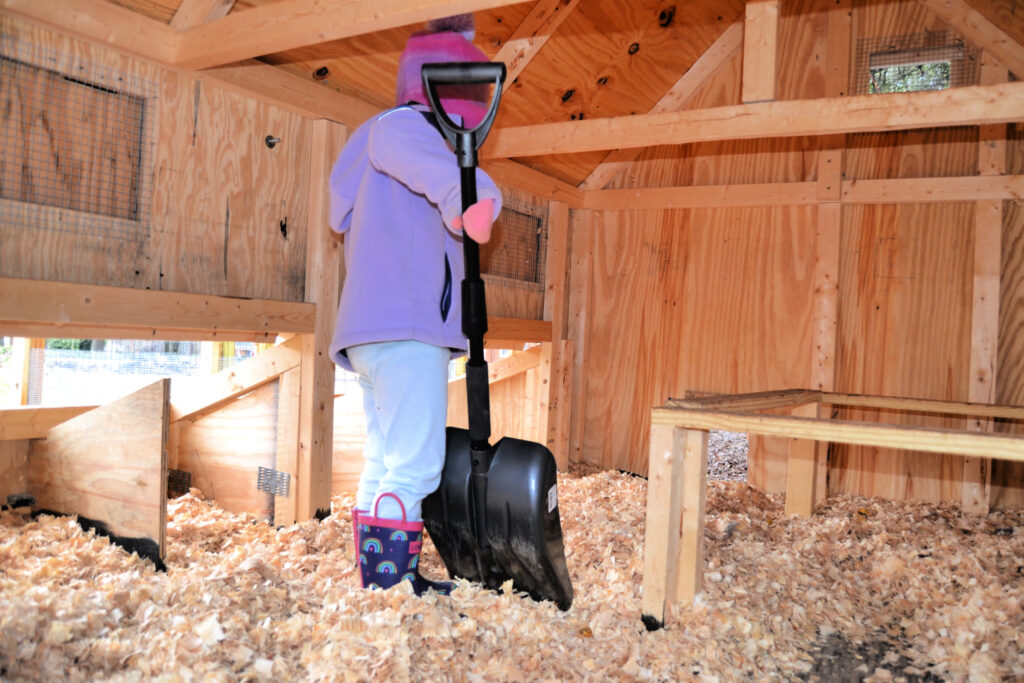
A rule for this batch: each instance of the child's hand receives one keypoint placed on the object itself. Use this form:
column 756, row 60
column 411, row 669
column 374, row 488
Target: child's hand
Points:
column 476, row 221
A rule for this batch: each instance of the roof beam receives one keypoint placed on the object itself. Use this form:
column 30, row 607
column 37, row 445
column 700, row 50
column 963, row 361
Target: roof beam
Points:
column 983, row 104
column 100, row 21
column 289, row 24
column 707, row 65
column 980, row 31
column 195, row 12
column 531, row 35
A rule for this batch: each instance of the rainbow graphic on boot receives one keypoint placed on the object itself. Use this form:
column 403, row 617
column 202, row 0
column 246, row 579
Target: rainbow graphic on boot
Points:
column 399, row 536
column 372, row 545
column 387, row 567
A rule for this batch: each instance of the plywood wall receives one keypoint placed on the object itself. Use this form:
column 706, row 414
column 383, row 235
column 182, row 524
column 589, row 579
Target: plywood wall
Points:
column 721, row 300
column 228, row 215
column 710, row 300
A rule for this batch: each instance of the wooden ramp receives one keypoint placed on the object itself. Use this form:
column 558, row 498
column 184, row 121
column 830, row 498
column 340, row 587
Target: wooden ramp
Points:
column 109, row 467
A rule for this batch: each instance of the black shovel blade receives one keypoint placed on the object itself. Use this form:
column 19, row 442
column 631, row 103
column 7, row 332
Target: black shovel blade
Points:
column 523, row 538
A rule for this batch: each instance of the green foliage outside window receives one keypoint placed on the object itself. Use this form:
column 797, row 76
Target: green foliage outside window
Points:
column 910, row 77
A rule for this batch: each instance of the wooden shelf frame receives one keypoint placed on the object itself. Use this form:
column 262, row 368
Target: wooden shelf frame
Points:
column 677, row 479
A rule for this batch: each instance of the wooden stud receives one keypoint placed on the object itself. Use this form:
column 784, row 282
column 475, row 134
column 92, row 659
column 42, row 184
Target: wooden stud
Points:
column 826, row 295
column 312, row 482
column 558, row 434
column 760, row 47
column 831, row 159
column 694, row 502
column 988, row 233
column 801, row 469
column 555, row 297
column 580, row 295
column 973, row 105
column 19, row 368
column 110, row 465
column 285, row 508
column 661, row 532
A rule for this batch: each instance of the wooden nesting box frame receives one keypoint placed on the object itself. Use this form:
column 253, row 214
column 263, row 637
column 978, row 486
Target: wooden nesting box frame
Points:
column 677, row 481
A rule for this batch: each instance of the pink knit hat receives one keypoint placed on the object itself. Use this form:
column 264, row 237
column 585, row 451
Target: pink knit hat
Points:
column 443, row 41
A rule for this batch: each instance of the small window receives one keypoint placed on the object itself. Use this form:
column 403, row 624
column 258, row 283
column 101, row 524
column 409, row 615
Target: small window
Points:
column 927, row 61
column 517, row 251
column 77, row 145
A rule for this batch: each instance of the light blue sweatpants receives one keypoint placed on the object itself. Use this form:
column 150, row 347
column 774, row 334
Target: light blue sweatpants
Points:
column 405, row 397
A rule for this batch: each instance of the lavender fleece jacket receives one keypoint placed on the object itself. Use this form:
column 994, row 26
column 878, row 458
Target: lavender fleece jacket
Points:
column 394, row 191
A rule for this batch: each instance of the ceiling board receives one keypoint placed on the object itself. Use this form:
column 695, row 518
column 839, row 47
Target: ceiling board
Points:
column 366, row 66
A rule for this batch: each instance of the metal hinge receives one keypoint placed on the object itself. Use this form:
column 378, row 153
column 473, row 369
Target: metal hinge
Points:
column 273, row 481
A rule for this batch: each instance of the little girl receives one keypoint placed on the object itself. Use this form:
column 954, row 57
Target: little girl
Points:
column 395, row 195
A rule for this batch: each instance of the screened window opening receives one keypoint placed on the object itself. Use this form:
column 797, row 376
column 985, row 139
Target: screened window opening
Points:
column 927, row 61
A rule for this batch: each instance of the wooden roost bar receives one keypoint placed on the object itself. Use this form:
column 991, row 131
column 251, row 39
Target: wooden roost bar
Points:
column 673, row 546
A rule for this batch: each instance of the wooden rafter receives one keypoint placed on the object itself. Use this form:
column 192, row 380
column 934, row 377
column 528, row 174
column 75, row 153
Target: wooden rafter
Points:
column 530, row 36
column 707, row 65
column 974, row 105
column 980, row 31
column 100, row 21
column 290, row 24
column 195, row 12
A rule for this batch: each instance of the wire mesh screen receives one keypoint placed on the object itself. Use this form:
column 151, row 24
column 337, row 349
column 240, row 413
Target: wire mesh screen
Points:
column 77, row 145
column 82, row 372
column 922, row 61
column 518, row 248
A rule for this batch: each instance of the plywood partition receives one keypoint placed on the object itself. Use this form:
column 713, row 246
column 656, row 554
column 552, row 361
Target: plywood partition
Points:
column 109, row 467
column 224, row 450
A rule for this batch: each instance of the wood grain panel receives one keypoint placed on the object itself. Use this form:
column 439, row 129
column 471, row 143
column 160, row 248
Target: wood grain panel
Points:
column 905, row 297
column 714, row 300
column 230, row 217
column 109, row 465
column 225, row 449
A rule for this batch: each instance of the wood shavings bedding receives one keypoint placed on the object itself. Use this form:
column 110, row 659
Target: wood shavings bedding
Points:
column 864, row 590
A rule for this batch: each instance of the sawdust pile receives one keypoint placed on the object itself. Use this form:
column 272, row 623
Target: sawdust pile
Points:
column 865, row 589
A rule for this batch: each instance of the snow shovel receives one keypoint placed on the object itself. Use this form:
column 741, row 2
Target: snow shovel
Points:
column 494, row 517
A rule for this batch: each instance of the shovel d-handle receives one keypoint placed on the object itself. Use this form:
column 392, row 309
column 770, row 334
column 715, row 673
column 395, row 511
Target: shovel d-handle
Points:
column 466, row 141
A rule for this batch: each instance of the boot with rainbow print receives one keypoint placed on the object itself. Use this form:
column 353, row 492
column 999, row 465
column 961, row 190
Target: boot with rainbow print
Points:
column 389, row 552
